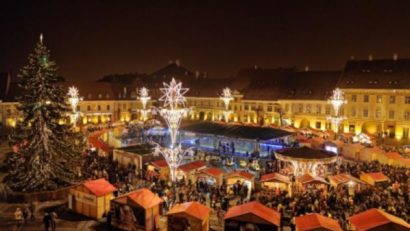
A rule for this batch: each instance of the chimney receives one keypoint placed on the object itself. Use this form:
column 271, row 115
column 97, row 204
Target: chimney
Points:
column 177, row 62
column 197, row 74
column 370, row 57
column 255, row 67
column 306, row 68
column 395, row 56
column 352, row 57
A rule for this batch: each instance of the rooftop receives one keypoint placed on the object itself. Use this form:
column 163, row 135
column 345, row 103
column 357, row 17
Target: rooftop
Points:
column 255, row 208
column 316, row 221
column 306, row 153
column 192, row 209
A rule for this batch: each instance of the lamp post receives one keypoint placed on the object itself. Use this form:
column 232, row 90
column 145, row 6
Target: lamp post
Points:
column 144, row 98
column 74, row 99
column 336, row 100
column 172, row 112
column 226, row 97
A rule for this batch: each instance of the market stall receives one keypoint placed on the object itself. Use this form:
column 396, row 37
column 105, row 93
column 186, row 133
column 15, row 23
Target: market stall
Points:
column 188, row 171
column 308, row 181
column 348, row 180
column 160, row 167
column 138, row 210
column 374, row 178
column 275, row 181
column 375, row 220
column 211, row 175
column 136, row 155
column 92, row 198
column 316, row 222
column 370, row 154
column 188, row 216
column 240, row 178
column 251, row 216
column 352, row 151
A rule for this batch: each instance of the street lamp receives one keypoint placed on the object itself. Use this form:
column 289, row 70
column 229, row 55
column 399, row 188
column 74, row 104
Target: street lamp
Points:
column 144, row 98
column 74, row 99
column 172, row 112
column 226, row 97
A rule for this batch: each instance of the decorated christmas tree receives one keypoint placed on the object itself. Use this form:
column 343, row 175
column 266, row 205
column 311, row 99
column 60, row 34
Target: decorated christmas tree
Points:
column 49, row 153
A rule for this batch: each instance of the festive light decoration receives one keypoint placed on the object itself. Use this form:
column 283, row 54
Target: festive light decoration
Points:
column 336, row 100
column 173, row 111
column 144, row 98
column 226, row 97
column 74, row 99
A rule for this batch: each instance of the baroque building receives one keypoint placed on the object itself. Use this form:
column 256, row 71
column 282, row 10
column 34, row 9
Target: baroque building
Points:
column 377, row 91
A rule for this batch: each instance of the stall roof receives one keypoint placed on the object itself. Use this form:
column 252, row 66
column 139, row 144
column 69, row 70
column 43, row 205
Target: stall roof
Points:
column 344, row 178
column 99, row 187
column 142, row 197
column 377, row 176
column 275, row 177
column 377, row 219
column 160, row 163
column 236, row 131
column 316, row 221
column 393, row 155
column 212, row 171
column 242, row 174
column 192, row 208
column 306, row 153
column 309, row 179
column 192, row 165
column 256, row 208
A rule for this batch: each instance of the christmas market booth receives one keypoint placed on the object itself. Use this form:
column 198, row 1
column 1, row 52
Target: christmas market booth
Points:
column 305, row 160
column 307, row 181
column 211, row 175
column 160, row 167
column 136, row 155
column 239, row 178
column 137, row 210
column 275, row 181
column 377, row 220
column 374, row 178
column 251, row 216
column 188, row 171
column 315, row 222
column 188, row 216
column 235, row 138
column 344, row 179
column 92, row 198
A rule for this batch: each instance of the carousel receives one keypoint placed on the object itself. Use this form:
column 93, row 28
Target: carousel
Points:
column 306, row 160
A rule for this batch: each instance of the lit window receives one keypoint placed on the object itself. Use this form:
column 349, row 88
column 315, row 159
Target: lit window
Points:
column 407, row 100
column 318, row 109
column 353, row 112
column 308, row 108
column 327, row 110
column 300, row 108
column 392, row 99
column 98, row 108
column 365, row 112
column 378, row 113
column 391, row 114
column 269, row 107
column 379, row 99
column 407, row 115
column 354, row 98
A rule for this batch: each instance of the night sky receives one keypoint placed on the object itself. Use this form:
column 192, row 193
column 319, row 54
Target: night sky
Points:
column 89, row 39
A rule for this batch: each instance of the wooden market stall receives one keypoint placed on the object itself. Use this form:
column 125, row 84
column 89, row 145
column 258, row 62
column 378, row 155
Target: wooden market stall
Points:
column 394, row 159
column 370, row 154
column 138, row 210
column 242, row 178
column 136, row 155
column 188, row 171
column 275, row 180
column 352, row 151
column 251, row 216
column 308, row 181
column 92, row 198
column 374, row 178
column 316, row 222
column 162, row 167
column 188, row 214
column 211, row 175
column 377, row 220
column 348, row 180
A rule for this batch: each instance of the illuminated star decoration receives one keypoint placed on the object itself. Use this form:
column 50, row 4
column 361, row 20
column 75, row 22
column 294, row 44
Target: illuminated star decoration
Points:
column 173, row 94
column 144, row 98
column 74, row 99
column 337, row 100
column 226, row 98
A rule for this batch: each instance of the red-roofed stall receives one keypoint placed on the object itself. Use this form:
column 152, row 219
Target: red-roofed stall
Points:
column 374, row 178
column 377, row 220
column 138, row 210
column 189, row 214
column 275, row 180
column 251, row 216
column 188, row 171
column 348, row 180
column 160, row 166
column 92, row 198
column 211, row 175
column 240, row 178
column 316, row 222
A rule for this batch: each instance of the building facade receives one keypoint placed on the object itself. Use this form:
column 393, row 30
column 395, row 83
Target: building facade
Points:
column 377, row 91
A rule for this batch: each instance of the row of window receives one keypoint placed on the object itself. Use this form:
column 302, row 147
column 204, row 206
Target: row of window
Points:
column 378, row 113
column 379, row 99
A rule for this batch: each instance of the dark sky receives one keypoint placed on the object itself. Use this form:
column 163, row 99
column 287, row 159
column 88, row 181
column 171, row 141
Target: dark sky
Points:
column 89, row 39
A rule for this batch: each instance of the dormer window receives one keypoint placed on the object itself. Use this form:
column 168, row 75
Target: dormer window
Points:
column 107, row 96
column 89, row 96
column 99, row 96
